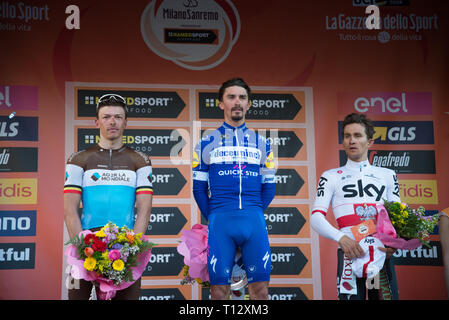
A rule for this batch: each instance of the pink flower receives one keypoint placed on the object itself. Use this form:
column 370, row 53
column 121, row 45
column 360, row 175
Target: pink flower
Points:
column 114, row 255
column 387, row 234
column 193, row 247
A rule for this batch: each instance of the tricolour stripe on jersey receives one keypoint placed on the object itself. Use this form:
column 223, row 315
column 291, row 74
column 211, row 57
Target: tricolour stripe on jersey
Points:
column 144, row 190
column 72, row 189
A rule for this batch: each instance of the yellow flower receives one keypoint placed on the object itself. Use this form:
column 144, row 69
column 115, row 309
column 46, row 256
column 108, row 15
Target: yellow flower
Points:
column 105, row 256
column 90, row 263
column 199, row 281
column 403, row 206
column 185, row 271
column 138, row 239
column 100, row 234
column 121, row 237
column 118, row 265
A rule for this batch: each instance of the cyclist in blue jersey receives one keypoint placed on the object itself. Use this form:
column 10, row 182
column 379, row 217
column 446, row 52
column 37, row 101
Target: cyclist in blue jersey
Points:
column 233, row 183
column 109, row 179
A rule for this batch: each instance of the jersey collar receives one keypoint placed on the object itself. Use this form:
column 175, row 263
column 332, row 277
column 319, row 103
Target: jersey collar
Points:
column 228, row 126
column 359, row 166
column 113, row 150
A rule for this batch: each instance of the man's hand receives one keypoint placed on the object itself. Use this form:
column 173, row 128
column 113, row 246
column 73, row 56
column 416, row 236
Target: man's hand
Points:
column 72, row 220
column 388, row 251
column 351, row 248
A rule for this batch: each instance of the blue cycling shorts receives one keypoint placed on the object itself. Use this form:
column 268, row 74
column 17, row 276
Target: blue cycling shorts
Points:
column 240, row 228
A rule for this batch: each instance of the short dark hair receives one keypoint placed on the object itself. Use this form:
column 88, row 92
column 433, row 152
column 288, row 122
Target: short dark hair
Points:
column 360, row 119
column 113, row 100
column 233, row 82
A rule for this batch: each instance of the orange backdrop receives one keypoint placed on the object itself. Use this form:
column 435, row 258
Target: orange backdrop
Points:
column 318, row 51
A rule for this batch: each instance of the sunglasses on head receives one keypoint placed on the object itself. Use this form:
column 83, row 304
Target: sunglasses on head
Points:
column 110, row 97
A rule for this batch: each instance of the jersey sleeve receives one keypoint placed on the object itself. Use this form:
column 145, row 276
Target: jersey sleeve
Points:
column 74, row 174
column 392, row 186
column 200, row 174
column 318, row 221
column 144, row 174
column 324, row 194
column 268, row 172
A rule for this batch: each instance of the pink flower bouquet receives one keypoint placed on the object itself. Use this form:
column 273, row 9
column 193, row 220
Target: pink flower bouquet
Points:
column 114, row 258
column 402, row 227
column 193, row 247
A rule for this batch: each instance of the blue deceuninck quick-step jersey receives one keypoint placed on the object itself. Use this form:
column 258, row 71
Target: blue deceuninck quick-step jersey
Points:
column 233, row 183
column 233, row 168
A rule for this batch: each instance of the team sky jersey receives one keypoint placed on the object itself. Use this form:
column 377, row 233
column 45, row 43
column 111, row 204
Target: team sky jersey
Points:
column 353, row 190
column 108, row 181
column 233, row 168
column 233, row 182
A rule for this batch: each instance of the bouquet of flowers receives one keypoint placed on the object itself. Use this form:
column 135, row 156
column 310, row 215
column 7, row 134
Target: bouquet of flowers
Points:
column 112, row 257
column 189, row 280
column 400, row 226
column 193, row 246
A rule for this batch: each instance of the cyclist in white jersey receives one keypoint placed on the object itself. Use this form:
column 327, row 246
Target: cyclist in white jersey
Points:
column 354, row 190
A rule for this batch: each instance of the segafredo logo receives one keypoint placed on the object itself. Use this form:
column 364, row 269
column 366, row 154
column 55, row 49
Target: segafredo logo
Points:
column 196, row 35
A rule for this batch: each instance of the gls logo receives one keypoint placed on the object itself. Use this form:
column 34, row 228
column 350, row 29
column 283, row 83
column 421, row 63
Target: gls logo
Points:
column 395, row 134
column 9, row 130
column 400, row 132
column 19, row 129
column 358, row 190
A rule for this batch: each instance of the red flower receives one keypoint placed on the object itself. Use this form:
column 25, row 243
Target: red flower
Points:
column 99, row 245
column 90, row 239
